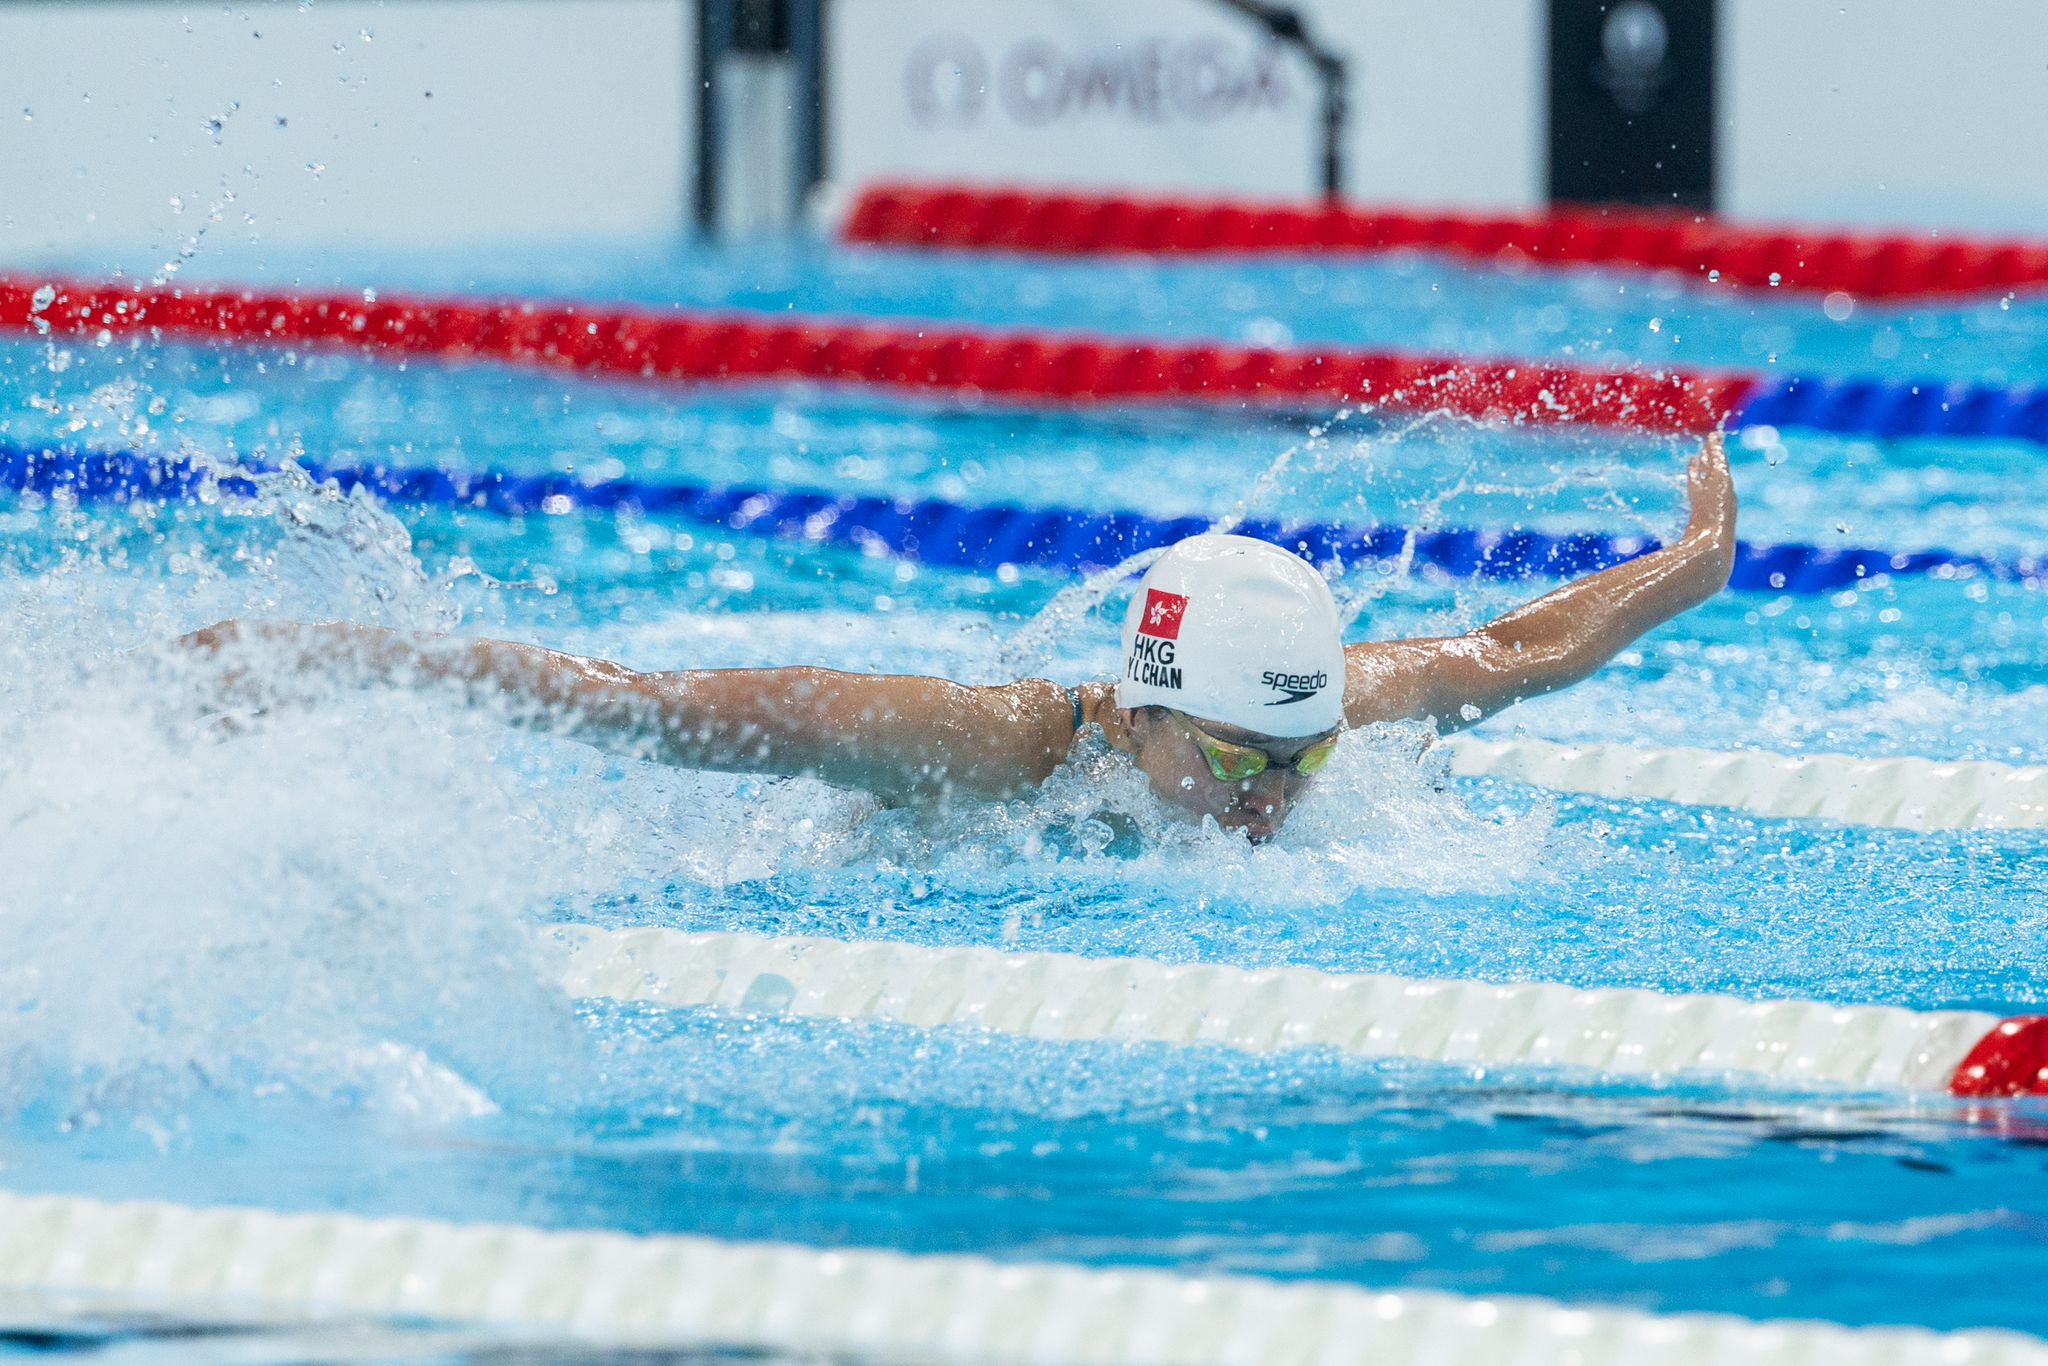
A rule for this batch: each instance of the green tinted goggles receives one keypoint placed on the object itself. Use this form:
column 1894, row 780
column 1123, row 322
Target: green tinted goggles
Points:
column 1241, row 763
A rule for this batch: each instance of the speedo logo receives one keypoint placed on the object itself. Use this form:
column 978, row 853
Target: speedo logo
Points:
column 1298, row 687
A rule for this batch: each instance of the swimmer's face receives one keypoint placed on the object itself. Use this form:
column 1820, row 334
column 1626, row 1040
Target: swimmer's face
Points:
column 1179, row 772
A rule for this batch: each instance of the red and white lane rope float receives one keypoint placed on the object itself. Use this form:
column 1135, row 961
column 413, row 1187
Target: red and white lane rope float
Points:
column 1037, row 368
column 1885, row 266
column 1064, row 997
column 615, row 1290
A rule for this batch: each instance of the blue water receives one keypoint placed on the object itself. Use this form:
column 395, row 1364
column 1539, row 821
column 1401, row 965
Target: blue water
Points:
column 304, row 964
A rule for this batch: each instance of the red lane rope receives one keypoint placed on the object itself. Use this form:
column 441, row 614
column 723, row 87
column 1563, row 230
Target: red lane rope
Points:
column 2012, row 1060
column 670, row 346
column 1876, row 267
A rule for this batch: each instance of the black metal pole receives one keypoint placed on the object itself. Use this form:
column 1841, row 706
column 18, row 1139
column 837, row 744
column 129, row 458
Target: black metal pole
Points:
column 1286, row 26
column 1336, row 114
column 807, row 45
column 714, row 39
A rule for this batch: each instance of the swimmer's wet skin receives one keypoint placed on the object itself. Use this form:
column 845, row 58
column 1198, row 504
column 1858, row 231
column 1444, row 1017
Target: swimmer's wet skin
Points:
column 1233, row 665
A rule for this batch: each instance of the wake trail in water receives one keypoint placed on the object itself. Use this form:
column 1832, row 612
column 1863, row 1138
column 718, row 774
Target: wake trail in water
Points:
column 336, row 902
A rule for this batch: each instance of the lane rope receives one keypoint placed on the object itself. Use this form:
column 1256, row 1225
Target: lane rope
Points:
column 1901, row 792
column 1706, row 250
column 972, row 366
column 673, row 1291
column 1892, row 409
column 987, row 538
column 1068, row 998
column 1036, row 367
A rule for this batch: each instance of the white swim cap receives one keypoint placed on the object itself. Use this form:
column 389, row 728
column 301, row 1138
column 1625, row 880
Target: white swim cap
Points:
column 1226, row 628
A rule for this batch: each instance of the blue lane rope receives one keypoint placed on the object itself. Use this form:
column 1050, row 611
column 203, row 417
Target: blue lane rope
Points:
column 950, row 536
column 1898, row 408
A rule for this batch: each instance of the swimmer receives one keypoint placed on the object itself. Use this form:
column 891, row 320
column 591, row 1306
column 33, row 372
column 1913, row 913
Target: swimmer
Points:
column 1235, row 687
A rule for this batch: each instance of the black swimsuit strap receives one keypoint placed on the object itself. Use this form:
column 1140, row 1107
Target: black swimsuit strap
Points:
column 1075, row 698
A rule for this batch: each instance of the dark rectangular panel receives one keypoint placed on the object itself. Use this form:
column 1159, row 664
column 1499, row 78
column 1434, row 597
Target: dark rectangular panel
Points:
column 1632, row 102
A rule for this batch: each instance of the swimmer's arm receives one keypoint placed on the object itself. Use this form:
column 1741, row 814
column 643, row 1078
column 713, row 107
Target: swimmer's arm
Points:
column 1560, row 638
column 900, row 737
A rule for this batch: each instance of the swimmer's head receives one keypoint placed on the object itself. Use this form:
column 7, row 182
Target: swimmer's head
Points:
column 1232, row 648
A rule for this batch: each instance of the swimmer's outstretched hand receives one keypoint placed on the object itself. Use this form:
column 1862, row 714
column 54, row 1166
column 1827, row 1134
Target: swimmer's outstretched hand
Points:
column 257, row 666
column 210, row 639
column 235, row 700
column 220, row 643
column 1563, row 636
column 1711, row 489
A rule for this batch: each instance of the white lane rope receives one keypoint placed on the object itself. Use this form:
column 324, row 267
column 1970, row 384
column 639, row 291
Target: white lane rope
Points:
column 617, row 1290
column 1065, row 997
column 1906, row 793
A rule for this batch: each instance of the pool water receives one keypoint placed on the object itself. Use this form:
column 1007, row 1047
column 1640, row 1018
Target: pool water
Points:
column 307, row 962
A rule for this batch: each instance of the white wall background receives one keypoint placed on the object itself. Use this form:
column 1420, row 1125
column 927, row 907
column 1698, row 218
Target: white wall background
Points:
column 1886, row 112
column 1448, row 96
column 340, row 122
column 133, row 124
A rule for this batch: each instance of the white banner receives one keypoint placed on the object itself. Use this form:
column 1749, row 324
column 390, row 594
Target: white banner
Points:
column 1142, row 94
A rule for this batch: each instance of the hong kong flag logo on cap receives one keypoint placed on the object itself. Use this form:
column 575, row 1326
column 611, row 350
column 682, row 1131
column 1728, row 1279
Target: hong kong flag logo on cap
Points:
column 1163, row 612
